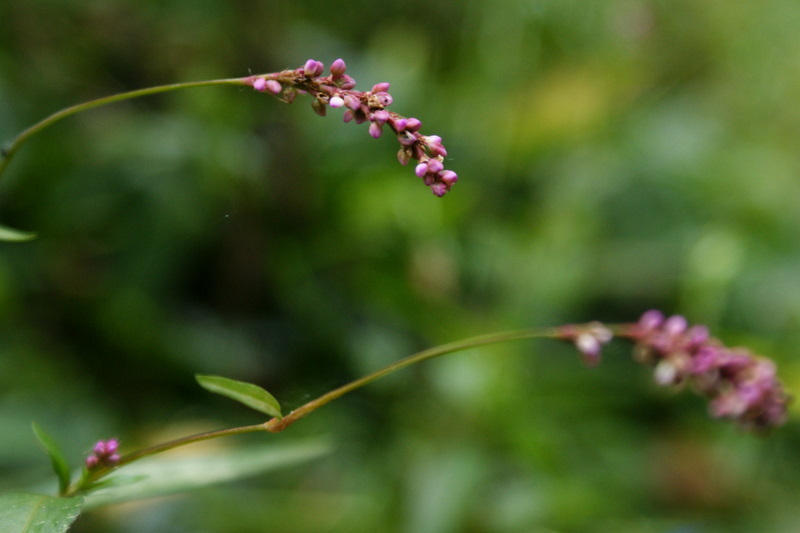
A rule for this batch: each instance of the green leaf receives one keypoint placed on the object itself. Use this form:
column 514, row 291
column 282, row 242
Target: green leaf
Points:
column 251, row 395
column 15, row 235
column 161, row 475
column 37, row 513
column 60, row 466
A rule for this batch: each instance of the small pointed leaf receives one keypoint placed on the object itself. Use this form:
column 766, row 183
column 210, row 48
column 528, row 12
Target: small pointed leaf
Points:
column 15, row 235
column 250, row 395
column 60, row 466
column 21, row 512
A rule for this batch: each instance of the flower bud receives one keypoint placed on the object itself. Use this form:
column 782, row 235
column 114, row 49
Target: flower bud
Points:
column 273, row 86
column 384, row 98
column 336, row 101
column 260, row 85
column 338, row 68
column 313, row 68
column 380, row 87
column 375, row 130
column 413, row 124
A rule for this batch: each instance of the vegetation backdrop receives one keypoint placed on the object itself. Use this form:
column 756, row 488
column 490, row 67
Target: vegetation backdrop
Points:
column 614, row 157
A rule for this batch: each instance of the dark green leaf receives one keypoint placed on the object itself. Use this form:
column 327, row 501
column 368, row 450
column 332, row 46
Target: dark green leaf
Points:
column 37, row 513
column 60, row 466
column 15, row 235
column 162, row 475
column 250, row 395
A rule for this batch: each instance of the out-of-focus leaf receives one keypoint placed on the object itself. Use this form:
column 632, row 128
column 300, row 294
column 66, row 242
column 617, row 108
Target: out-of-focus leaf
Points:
column 169, row 474
column 14, row 235
column 250, row 395
column 60, row 466
column 37, row 513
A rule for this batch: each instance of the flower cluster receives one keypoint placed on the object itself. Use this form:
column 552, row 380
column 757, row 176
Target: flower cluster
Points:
column 741, row 386
column 338, row 90
column 103, row 454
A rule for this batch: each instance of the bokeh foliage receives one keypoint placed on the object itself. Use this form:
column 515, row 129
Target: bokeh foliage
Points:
column 614, row 156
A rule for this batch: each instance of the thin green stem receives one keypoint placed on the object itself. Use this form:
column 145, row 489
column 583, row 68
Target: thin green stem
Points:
column 7, row 153
column 276, row 425
column 91, row 476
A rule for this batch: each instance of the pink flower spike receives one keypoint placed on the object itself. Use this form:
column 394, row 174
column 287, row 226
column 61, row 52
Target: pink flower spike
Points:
column 336, row 101
column 338, row 68
column 375, row 130
column 380, row 87
column 260, row 85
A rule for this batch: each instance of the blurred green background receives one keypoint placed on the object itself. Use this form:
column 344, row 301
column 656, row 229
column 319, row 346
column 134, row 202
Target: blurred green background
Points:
column 614, row 157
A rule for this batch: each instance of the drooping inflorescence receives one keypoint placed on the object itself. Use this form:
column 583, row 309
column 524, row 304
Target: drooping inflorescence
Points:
column 338, row 90
column 740, row 385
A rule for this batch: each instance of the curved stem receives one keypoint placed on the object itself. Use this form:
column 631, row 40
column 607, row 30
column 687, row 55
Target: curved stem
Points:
column 276, row 425
column 8, row 151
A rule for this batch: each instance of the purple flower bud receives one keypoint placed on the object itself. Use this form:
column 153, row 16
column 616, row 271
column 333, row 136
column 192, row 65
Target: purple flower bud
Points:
column 434, row 139
column 111, row 446
column 336, row 101
column 352, row 102
column 260, row 85
column 675, row 325
column 590, row 347
column 380, row 116
column 435, row 166
column 413, row 124
column 100, row 448
column 313, row 68
column 273, row 86
column 449, row 177
column 338, row 68
column 651, row 320
column 346, row 82
column 407, row 138
column 91, row 462
column 385, row 99
column 348, row 115
column 437, row 149
column 375, row 130
column 439, row 189
column 399, row 124
column 380, row 87
column 421, row 169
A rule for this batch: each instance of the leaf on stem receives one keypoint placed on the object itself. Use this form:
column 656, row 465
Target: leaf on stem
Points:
column 14, row 235
column 37, row 513
column 249, row 394
column 60, row 466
